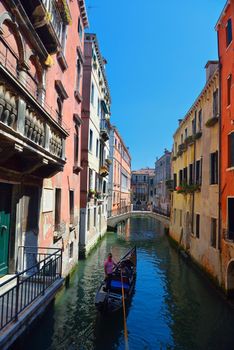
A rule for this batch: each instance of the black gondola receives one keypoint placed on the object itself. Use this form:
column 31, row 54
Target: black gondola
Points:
column 109, row 301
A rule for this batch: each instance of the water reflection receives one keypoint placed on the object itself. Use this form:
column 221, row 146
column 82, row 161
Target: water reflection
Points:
column 172, row 307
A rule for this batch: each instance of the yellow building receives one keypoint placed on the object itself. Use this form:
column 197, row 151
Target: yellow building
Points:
column 195, row 213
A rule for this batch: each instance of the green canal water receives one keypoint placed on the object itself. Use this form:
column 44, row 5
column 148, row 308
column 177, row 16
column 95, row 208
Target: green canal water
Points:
column 173, row 306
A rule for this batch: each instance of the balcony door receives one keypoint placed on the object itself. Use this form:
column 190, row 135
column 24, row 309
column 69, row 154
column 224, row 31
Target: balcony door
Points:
column 5, row 216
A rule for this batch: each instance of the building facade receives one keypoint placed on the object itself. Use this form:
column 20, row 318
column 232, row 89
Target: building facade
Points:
column 142, row 185
column 225, row 32
column 39, row 121
column 162, row 196
column 120, row 175
column 95, row 146
column 195, row 199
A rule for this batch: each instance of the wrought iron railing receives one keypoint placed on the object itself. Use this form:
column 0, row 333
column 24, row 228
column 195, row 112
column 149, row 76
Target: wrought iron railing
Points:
column 37, row 269
column 119, row 211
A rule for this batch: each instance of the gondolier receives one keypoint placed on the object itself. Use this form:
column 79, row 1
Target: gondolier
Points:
column 109, row 266
column 121, row 281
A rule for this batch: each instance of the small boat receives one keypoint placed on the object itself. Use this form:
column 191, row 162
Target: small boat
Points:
column 122, row 283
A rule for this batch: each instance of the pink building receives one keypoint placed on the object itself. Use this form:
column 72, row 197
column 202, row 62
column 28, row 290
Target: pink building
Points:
column 40, row 116
column 120, row 175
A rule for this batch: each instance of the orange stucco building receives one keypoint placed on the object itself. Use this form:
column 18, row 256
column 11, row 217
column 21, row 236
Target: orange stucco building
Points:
column 225, row 32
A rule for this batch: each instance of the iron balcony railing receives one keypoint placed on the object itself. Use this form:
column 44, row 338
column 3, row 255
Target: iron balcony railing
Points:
column 37, row 269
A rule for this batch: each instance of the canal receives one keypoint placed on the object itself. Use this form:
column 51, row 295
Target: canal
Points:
column 173, row 306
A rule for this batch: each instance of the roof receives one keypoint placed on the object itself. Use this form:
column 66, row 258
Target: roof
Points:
column 91, row 37
column 120, row 137
column 146, row 171
column 222, row 14
column 83, row 13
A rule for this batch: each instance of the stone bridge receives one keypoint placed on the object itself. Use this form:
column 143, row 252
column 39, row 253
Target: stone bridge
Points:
column 114, row 220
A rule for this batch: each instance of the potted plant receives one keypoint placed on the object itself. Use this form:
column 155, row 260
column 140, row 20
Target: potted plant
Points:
column 92, row 193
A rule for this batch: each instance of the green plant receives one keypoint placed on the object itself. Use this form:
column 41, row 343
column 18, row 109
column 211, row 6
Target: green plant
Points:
column 189, row 140
column 198, row 135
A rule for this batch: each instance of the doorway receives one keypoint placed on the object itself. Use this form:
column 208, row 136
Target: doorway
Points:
column 5, row 219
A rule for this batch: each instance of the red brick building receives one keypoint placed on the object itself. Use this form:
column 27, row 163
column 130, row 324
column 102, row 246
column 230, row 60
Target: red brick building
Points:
column 41, row 59
column 225, row 31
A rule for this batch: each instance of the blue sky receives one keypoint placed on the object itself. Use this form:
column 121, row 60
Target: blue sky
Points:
column 156, row 52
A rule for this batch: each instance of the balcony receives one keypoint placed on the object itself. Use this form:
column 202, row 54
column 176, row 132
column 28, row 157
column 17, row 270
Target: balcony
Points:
column 47, row 17
column 104, row 170
column 32, row 142
column 23, row 296
column 104, row 129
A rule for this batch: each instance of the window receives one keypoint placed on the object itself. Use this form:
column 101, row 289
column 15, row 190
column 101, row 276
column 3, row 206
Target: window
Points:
column 181, row 138
column 78, row 74
column 174, row 216
column 76, row 146
column 80, row 29
column 190, row 174
column 151, row 193
column 231, row 150
column 230, row 218
column 71, row 206
column 88, row 220
column 59, row 109
column 71, row 246
column 57, row 214
column 200, row 120
column 97, row 147
column 197, row 225
column 180, row 177
column 95, row 217
column 213, row 228
column 186, row 133
column 63, row 37
column 228, row 32
column 214, row 168
column 194, row 126
column 198, row 178
column 98, row 107
column 90, row 140
column 92, row 93
column 185, row 175
column 229, row 85
column 175, row 181
column 91, row 187
column 215, row 103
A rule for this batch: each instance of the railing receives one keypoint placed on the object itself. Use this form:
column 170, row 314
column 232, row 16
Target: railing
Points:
column 37, row 269
column 55, row 19
column 119, row 211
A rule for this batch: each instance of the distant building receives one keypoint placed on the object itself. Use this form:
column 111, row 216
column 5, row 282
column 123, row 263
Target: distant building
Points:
column 161, row 200
column 95, row 146
column 142, row 186
column 120, row 175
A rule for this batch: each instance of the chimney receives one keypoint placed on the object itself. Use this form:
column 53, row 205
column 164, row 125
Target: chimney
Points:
column 180, row 121
column 211, row 67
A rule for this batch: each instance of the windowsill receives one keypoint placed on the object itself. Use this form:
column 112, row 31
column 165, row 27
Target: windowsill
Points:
column 71, row 227
column 216, row 184
column 230, row 169
column 78, row 96
column 62, row 60
column 228, row 106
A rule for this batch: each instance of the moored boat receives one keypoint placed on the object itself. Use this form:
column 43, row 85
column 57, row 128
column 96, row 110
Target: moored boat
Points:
column 121, row 285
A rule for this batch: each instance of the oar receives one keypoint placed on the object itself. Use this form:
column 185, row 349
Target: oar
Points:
column 124, row 315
